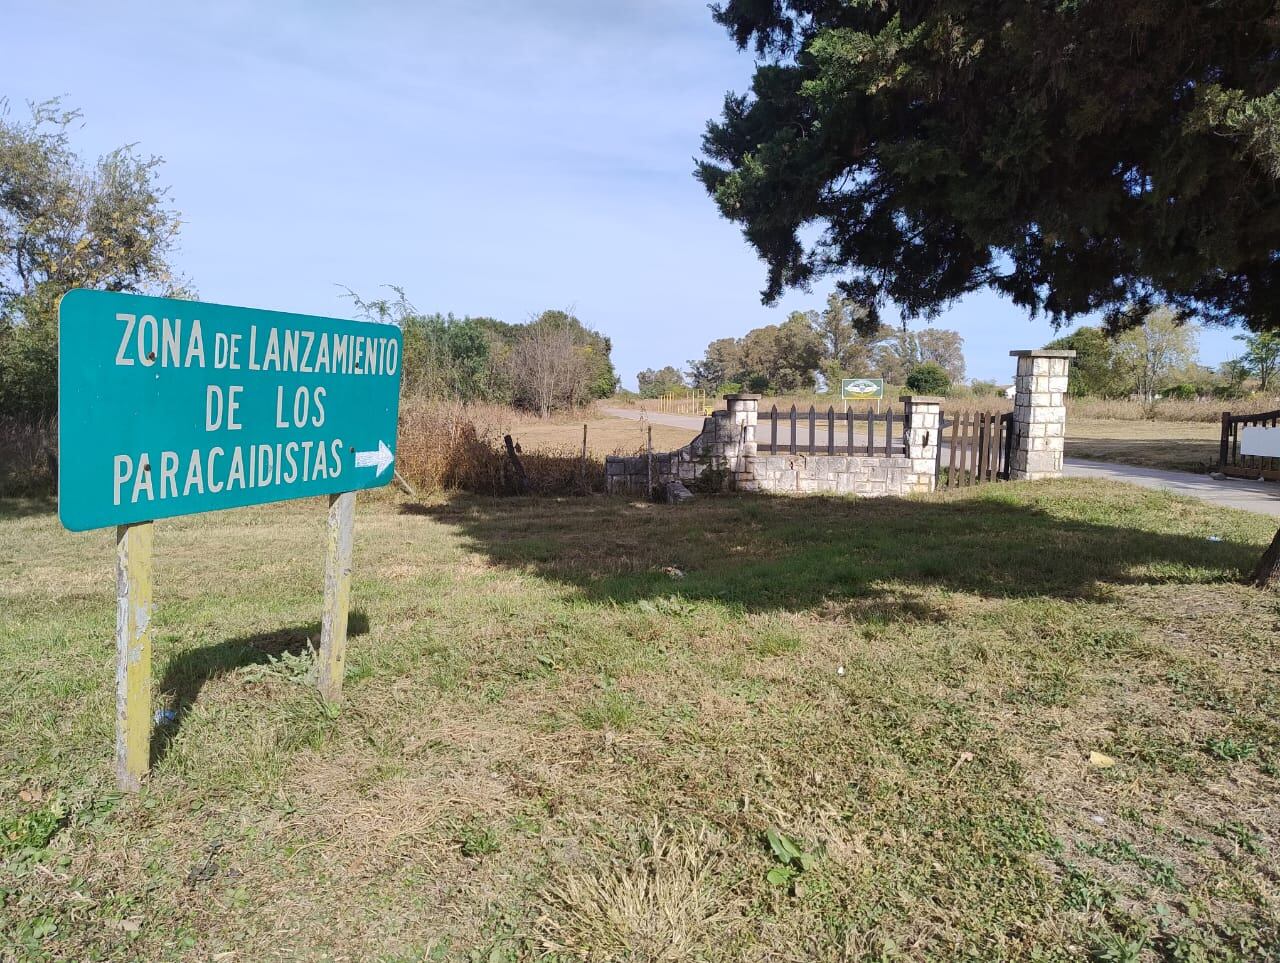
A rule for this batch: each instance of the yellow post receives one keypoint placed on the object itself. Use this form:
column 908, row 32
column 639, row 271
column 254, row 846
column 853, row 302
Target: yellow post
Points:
column 337, row 595
column 133, row 651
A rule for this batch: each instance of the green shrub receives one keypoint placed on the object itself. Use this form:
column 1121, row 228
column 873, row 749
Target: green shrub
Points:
column 928, row 379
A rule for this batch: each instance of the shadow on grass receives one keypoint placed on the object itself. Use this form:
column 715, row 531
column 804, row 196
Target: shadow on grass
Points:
column 186, row 674
column 769, row 552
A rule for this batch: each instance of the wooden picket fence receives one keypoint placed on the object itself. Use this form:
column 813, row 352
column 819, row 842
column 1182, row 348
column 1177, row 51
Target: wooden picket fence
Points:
column 800, row 430
column 1231, row 462
column 978, row 449
column 974, row 448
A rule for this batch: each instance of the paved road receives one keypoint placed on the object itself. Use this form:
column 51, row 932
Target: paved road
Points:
column 1252, row 496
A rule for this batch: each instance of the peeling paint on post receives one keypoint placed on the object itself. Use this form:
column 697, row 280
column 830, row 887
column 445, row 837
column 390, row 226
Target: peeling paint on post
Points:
column 133, row 650
column 337, row 595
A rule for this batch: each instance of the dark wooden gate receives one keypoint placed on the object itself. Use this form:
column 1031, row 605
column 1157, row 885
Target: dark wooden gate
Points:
column 1231, row 462
column 976, row 448
column 829, row 433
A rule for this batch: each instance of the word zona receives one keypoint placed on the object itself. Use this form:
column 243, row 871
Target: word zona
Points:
column 169, row 343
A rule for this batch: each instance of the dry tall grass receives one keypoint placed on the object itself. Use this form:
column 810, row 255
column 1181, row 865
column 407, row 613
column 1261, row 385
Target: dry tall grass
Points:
column 440, row 449
column 663, row 902
column 450, row 446
column 1168, row 409
column 28, row 456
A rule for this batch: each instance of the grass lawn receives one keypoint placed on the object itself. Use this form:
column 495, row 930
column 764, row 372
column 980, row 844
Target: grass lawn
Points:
column 1177, row 445
column 737, row 729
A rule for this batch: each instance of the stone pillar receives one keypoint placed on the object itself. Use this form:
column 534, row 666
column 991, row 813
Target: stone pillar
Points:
column 743, row 412
column 924, row 425
column 1039, row 414
column 740, row 452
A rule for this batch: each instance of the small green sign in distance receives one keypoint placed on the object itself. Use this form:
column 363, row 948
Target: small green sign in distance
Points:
column 169, row 407
column 859, row 389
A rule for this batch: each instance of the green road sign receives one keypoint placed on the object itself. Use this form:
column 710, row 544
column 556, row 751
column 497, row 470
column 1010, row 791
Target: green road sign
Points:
column 861, row 389
column 170, row 407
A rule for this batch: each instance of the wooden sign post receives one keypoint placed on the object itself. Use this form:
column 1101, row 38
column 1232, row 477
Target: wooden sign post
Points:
column 134, row 544
column 337, row 595
column 133, row 653
column 169, row 407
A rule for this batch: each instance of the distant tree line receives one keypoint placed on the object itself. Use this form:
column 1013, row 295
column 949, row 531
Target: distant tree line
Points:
column 553, row 362
column 656, row 383
column 1152, row 355
column 812, row 347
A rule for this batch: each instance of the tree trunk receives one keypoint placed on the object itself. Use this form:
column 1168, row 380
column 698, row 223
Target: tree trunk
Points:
column 1267, row 574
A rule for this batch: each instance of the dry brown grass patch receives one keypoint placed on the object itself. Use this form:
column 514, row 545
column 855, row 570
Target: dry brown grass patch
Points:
column 28, row 455
column 449, row 446
column 665, row 901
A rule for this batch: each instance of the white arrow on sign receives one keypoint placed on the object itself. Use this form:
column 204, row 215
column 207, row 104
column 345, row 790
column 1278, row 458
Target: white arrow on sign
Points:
column 381, row 458
column 1263, row 442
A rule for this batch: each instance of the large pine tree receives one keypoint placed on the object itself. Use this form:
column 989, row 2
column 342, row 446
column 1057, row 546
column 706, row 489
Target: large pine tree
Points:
column 1075, row 155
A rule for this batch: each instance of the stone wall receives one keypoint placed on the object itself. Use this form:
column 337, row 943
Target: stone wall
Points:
column 701, row 464
column 724, row 457
column 707, row 463
column 866, row 475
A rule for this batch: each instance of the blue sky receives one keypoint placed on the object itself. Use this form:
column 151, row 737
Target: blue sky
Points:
column 493, row 158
